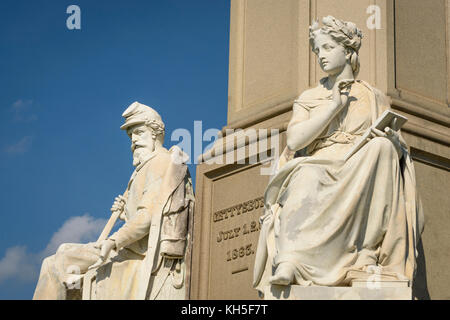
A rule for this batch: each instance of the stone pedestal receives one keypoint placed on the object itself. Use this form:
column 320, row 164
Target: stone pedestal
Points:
column 382, row 292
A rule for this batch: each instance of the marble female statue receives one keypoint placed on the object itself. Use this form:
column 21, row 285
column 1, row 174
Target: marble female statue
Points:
column 328, row 220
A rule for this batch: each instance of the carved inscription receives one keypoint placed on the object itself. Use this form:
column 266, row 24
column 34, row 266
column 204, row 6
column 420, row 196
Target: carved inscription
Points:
column 241, row 230
column 240, row 253
column 239, row 209
column 234, row 233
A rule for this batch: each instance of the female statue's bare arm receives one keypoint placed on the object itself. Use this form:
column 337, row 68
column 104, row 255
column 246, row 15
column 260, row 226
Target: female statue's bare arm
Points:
column 302, row 130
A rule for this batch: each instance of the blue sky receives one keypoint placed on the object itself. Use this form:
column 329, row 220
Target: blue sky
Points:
column 63, row 158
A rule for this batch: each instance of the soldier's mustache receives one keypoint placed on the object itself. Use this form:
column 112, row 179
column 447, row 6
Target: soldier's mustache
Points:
column 134, row 146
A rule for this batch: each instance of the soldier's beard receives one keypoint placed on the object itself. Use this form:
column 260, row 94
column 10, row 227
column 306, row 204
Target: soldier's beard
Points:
column 136, row 160
column 139, row 155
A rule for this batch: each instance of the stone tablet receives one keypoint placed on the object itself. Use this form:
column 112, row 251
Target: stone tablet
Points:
column 224, row 252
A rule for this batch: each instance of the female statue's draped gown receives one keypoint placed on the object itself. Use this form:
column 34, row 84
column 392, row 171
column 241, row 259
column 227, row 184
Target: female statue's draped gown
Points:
column 332, row 219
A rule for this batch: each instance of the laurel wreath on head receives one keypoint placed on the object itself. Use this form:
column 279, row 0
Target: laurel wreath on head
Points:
column 342, row 31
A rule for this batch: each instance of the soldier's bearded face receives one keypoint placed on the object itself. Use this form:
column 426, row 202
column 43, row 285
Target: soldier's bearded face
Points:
column 142, row 143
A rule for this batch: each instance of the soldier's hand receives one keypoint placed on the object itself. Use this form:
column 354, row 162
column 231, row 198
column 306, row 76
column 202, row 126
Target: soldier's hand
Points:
column 105, row 248
column 122, row 216
column 119, row 204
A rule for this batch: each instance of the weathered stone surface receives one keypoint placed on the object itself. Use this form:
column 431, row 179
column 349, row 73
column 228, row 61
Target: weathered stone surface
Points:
column 337, row 293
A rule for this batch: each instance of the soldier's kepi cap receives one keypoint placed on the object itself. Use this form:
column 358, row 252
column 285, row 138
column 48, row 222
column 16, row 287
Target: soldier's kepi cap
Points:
column 138, row 113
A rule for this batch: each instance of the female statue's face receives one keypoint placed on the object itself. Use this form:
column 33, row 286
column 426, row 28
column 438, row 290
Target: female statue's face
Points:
column 332, row 56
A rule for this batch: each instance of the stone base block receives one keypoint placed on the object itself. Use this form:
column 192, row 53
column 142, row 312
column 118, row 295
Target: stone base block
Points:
column 337, row 293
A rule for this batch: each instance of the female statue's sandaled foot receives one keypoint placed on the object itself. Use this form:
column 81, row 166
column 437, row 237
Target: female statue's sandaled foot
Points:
column 284, row 274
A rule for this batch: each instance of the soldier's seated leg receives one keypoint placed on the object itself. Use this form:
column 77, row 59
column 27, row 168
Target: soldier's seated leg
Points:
column 61, row 274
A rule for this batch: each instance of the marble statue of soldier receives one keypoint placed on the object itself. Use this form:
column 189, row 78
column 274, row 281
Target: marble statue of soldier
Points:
column 145, row 257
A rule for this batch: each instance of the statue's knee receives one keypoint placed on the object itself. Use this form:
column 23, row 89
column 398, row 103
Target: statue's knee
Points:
column 47, row 263
column 382, row 144
column 63, row 247
column 310, row 174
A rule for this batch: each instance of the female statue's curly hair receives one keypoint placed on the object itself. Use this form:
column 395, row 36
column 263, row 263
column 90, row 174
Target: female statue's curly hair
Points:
column 344, row 33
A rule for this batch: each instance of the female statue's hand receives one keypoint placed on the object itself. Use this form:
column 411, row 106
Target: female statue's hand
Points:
column 341, row 92
column 392, row 136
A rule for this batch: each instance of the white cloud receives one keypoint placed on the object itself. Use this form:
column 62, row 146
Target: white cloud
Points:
column 79, row 229
column 18, row 263
column 22, row 265
column 22, row 110
column 21, row 104
column 20, row 147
